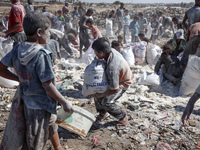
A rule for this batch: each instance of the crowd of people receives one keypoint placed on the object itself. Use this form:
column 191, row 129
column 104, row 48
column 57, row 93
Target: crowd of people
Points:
column 37, row 45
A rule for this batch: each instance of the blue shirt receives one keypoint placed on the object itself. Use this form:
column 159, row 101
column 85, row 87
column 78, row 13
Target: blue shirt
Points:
column 126, row 19
column 31, row 76
column 135, row 26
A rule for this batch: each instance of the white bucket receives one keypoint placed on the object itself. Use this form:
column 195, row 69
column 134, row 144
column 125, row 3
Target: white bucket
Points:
column 78, row 122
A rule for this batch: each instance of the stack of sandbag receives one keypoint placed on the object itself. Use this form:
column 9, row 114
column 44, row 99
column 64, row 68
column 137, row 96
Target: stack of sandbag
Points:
column 95, row 80
column 139, row 50
column 109, row 25
column 190, row 80
column 127, row 53
column 153, row 53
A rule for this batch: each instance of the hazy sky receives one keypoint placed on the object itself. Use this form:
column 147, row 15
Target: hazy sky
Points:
column 139, row 1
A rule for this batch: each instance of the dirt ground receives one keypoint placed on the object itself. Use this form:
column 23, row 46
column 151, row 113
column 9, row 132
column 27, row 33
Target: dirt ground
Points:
column 157, row 118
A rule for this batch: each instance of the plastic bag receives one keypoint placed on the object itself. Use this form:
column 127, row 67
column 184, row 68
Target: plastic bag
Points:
column 109, row 25
column 89, row 55
column 139, row 50
column 8, row 83
column 150, row 79
column 15, row 131
column 149, row 31
column 153, row 54
column 67, row 64
column 128, row 56
column 190, row 80
column 95, row 80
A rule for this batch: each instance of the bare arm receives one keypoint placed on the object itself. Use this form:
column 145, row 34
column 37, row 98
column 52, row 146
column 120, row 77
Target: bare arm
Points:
column 183, row 24
column 188, row 35
column 53, row 92
column 189, row 108
column 11, row 30
column 4, row 72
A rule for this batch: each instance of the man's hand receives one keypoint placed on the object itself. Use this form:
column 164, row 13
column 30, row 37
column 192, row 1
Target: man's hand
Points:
column 189, row 108
column 67, row 106
column 187, row 112
column 2, row 34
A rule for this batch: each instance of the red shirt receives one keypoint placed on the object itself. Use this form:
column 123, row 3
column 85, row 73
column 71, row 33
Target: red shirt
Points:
column 96, row 32
column 17, row 14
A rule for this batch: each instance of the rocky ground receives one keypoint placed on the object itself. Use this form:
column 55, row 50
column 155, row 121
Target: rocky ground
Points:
column 155, row 117
column 154, row 113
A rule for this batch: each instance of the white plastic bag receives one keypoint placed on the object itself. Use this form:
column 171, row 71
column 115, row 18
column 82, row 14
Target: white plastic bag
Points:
column 149, row 31
column 8, row 83
column 190, row 80
column 89, row 55
column 67, row 64
column 7, row 45
column 109, row 25
column 128, row 56
column 153, row 54
column 139, row 50
column 149, row 79
column 95, row 80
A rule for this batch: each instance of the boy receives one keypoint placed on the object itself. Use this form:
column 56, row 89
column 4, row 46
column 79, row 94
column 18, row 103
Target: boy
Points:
column 126, row 18
column 95, row 31
column 54, row 48
column 115, row 45
column 141, row 36
column 120, row 14
column 119, row 78
column 83, row 34
column 68, row 30
column 15, row 28
column 75, row 16
column 142, row 23
column 33, row 66
column 60, row 17
column 172, row 69
column 67, row 16
column 120, row 39
column 134, row 26
column 154, row 26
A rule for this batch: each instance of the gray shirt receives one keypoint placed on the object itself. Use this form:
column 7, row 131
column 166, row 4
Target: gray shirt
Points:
column 141, row 23
column 53, row 47
column 118, row 71
column 192, row 15
column 120, row 13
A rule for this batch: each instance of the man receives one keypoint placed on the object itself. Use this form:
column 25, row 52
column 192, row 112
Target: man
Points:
column 193, row 38
column 55, row 23
column 81, row 9
column 119, row 78
column 167, row 24
column 178, row 24
column 15, row 28
column 65, row 7
column 83, row 35
column 192, row 15
column 142, row 23
column 120, row 14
